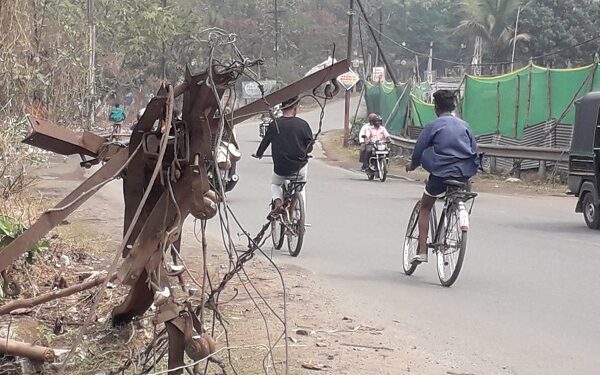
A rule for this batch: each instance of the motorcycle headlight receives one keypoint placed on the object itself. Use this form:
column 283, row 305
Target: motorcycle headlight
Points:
column 380, row 147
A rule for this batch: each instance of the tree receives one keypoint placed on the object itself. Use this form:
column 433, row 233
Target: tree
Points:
column 557, row 25
column 417, row 23
column 494, row 22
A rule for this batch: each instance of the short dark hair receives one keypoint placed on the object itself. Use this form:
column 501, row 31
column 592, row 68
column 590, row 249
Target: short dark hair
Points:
column 445, row 100
column 290, row 103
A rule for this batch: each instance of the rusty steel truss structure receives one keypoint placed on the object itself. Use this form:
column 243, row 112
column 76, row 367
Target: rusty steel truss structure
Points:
column 169, row 172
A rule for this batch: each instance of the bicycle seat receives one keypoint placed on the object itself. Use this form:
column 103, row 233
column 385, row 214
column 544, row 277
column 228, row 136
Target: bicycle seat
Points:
column 455, row 183
column 295, row 184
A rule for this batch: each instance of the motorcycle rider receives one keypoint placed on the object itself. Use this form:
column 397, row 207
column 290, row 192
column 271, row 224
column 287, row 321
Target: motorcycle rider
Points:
column 447, row 149
column 362, row 135
column 375, row 132
column 291, row 140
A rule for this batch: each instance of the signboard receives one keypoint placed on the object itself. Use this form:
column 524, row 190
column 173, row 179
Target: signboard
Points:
column 348, row 79
column 250, row 89
column 378, row 74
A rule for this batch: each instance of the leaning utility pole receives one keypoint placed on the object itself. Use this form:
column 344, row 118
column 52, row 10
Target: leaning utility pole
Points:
column 385, row 61
column 349, row 57
column 514, row 46
column 92, row 64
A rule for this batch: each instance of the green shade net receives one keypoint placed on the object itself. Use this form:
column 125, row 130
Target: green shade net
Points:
column 508, row 104
column 504, row 105
column 391, row 102
column 422, row 113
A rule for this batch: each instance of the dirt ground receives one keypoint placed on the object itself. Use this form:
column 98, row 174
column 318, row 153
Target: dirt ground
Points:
column 331, row 142
column 320, row 336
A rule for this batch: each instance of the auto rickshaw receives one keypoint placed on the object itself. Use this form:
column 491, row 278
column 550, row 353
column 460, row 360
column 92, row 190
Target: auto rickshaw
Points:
column 584, row 159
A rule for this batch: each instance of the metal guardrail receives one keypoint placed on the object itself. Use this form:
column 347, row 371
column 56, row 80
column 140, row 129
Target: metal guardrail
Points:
column 500, row 151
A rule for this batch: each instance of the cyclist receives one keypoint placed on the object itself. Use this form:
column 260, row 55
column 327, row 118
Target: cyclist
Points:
column 291, row 140
column 117, row 116
column 448, row 151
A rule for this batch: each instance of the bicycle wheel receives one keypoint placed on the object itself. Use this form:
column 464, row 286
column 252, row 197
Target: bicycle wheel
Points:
column 296, row 238
column 115, row 135
column 277, row 234
column 452, row 244
column 411, row 241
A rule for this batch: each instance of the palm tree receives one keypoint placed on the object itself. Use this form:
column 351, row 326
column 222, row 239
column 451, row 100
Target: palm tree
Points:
column 493, row 21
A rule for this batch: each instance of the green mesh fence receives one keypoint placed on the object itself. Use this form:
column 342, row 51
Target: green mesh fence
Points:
column 422, row 112
column 504, row 105
column 391, row 102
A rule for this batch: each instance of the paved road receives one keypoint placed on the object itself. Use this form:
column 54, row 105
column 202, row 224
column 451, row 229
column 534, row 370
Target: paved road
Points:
column 527, row 301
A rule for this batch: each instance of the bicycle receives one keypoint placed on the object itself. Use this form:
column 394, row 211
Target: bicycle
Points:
column 449, row 233
column 290, row 222
column 115, row 134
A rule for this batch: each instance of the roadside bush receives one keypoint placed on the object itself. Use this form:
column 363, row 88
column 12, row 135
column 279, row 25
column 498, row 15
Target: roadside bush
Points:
column 355, row 130
column 15, row 158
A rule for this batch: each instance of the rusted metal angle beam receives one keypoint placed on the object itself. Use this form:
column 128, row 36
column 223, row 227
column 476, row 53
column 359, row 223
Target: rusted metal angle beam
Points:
column 147, row 244
column 302, row 85
column 49, row 219
column 51, row 137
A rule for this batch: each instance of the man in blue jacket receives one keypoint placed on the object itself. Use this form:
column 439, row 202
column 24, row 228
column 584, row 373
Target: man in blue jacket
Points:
column 448, row 151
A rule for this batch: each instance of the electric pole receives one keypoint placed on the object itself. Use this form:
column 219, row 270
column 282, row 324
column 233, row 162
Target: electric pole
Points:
column 92, row 63
column 276, row 43
column 276, row 12
column 380, row 26
column 383, row 57
column 349, row 57
column 514, row 46
column 164, row 49
column 430, row 64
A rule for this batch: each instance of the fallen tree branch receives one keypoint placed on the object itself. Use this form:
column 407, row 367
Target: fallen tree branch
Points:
column 30, row 302
column 22, row 349
column 367, row 346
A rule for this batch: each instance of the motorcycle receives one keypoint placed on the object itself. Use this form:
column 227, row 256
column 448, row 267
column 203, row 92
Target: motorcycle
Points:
column 266, row 119
column 378, row 161
column 227, row 157
column 264, row 125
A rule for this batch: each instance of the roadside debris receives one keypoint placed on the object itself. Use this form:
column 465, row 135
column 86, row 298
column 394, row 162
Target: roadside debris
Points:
column 168, row 174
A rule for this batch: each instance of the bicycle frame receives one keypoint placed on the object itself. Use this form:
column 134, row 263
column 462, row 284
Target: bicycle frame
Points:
column 453, row 197
column 290, row 188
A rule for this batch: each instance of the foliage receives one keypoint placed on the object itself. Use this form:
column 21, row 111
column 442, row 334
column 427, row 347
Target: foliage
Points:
column 494, row 22
column 550, row 24
column 417, row 23
column 15, row 157
column 557, row 25
column 10, row 229
column 44, row 43
column 41, row 58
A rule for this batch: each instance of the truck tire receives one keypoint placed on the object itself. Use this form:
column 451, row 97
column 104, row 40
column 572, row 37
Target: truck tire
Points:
column 591, row 213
